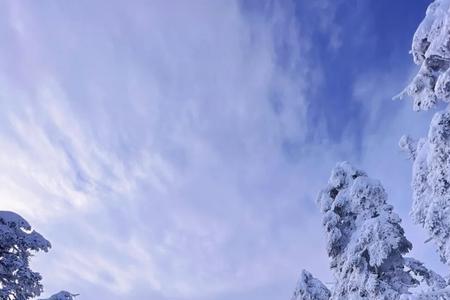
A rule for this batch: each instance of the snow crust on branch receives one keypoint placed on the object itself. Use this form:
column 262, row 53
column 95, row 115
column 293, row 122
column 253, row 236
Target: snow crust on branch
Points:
column 434, row 282
column 431, row 51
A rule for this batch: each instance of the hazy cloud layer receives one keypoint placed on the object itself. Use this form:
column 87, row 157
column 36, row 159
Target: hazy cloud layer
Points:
column 146, row 141
column 167, row 149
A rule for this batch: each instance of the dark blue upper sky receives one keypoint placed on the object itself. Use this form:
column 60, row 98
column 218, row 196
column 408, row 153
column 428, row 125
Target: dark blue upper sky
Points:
column 375, row 37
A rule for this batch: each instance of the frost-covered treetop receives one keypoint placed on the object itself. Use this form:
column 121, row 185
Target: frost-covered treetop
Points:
column 310, row 288
column 364, row 238
column 17, row 240
column 63, row 295
column 431, row 51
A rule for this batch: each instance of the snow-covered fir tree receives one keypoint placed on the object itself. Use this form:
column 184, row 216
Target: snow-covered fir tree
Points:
column 365, row 241
column 431, row 155
column 17, row 243
column 366, row 245
column 431, row 183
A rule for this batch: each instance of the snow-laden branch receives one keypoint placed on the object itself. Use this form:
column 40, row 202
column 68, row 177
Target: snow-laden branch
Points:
column 431, row 51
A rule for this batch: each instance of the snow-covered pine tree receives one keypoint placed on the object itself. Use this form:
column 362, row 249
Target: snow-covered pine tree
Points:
column 431, row 183
column 17, row 242
column 365, row 241
column 310, row 288
column 366, row 245
column 431, row 155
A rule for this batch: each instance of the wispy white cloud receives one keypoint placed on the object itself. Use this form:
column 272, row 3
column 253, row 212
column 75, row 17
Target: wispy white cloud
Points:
column 146, row 142
column 149, row 141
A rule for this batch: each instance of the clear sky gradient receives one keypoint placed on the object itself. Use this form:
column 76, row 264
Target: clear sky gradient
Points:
column 173, row 150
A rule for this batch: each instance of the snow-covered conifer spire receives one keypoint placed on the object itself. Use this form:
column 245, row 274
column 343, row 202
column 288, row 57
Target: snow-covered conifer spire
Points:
column 365, row 241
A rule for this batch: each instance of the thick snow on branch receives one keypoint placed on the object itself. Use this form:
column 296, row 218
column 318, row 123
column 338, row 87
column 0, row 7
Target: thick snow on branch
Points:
column 443, row 294
column 310, row 288
column 433, row 281
column 364, row 238
column 408, row 146
column 431, row 51
column 17, row 241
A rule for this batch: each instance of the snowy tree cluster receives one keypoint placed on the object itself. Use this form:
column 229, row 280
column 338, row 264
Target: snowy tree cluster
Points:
column 18, row 242
column 366, row 245
column 365, row 241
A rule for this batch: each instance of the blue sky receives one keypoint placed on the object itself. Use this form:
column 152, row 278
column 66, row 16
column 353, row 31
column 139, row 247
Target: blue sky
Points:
column 174, row 150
